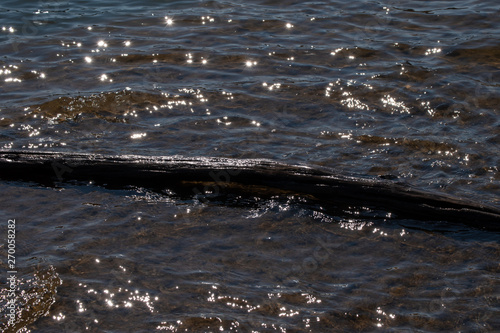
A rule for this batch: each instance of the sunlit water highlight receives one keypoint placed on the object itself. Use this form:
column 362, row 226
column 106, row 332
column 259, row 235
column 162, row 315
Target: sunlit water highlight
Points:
column 402, row 90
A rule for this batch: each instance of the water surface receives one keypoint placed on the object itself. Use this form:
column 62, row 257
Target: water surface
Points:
column 405, row 90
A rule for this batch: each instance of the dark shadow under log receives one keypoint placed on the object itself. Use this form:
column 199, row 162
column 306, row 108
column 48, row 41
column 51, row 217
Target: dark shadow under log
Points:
column 221, row 177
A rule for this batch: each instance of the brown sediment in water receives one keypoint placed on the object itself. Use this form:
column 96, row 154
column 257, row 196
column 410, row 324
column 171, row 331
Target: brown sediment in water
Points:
column 34, row 298
column 113, row 104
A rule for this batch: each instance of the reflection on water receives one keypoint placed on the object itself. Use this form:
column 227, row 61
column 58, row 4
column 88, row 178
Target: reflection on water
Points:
column 178, row 78
column 144, row 262
column 28, row 299
column 404, row 90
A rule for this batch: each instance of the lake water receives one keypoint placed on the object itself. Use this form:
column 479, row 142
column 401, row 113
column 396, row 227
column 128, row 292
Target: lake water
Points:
column 400, row 90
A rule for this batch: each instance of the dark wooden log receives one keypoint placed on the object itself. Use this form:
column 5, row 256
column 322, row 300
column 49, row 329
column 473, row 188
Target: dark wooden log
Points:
column 245, row 177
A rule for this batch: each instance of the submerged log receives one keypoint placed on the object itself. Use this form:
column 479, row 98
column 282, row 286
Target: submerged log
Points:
column 213, row 179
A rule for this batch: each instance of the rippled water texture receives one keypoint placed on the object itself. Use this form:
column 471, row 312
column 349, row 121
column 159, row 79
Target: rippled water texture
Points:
column 137, row 261
column 401, row 88
column 404, row 90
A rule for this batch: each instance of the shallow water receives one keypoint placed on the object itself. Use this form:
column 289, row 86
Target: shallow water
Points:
column 136, row 261
column 405, row 90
